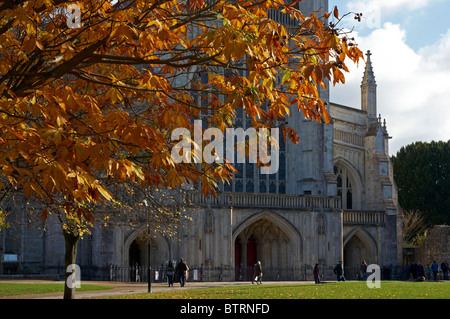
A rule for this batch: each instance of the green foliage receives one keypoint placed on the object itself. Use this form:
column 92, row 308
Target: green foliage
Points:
column 3, row 223
column 422, row 173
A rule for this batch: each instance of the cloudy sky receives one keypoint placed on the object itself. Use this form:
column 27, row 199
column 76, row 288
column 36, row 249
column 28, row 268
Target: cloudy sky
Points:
column 410, row 45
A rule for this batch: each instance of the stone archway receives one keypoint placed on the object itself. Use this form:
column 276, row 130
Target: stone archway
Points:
column 269, row 238
column 136, row 249
column 358, row 246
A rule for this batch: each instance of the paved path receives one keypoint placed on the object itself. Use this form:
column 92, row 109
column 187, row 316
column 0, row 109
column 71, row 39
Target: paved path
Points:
column 128, row 288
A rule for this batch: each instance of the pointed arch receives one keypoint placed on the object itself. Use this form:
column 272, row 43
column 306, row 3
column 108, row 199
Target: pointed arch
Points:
column 360, row 245
column 162, row 248
column 277, row 240
column 356, row 187
column 276, row 219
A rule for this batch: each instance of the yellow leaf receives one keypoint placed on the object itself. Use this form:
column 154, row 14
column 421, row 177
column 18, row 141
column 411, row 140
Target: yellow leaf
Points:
column 105, row 193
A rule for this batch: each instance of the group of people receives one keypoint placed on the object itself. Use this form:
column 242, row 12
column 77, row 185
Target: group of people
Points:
column 417, row 271
column 338, row 271
column 181, row 270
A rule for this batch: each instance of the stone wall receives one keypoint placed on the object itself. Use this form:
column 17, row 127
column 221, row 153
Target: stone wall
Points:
column 436, row 246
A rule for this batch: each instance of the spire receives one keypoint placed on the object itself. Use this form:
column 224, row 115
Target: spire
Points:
column 369, row 91
column 369, row 77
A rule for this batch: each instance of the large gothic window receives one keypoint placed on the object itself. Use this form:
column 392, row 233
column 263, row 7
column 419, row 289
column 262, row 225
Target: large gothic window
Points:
column 344, row 187
column 248, row 177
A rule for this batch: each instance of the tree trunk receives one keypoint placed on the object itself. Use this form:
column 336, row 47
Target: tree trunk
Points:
column 70, row 259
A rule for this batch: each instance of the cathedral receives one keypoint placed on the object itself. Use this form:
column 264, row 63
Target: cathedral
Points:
column 333, row 198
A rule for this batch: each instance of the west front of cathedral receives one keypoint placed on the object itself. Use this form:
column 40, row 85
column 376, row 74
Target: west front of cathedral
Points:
column 333, row 198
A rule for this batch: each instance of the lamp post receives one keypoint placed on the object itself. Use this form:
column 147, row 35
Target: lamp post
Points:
column 149, row 272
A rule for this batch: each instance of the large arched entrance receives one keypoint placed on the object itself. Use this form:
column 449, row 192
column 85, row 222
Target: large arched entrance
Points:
column 358, row 246
column 136, row 250
column 270, row 239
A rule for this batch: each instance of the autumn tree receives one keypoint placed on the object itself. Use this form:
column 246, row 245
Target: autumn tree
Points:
column 93, row 97
column 415, row 227
column 159, row 210
column 3, row 214
column 3, row 223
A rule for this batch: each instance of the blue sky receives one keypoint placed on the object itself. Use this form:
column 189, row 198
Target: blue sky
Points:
column 410, row 43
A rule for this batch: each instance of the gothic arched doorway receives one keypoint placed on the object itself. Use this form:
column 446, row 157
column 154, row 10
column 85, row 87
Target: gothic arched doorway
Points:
column 269, row 239
column 358, row 246
column 136, row 250
column 134, row 254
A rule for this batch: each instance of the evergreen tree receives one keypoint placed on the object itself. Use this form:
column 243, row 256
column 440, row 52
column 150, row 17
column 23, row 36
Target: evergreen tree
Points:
column 422, row 173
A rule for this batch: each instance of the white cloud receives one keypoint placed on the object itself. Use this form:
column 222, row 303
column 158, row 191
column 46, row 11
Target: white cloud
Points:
column 413, row 89
column 437, row 56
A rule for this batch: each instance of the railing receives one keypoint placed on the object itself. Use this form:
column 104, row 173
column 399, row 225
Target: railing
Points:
column 265, row 200
column 363, row 218
column 227, row 273
column 347, row 137
column 217, row 274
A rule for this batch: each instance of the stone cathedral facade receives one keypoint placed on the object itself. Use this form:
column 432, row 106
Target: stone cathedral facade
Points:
column 333, row 198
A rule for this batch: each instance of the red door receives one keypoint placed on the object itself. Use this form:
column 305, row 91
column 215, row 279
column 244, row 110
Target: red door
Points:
column 251, row 256
column 237, row 258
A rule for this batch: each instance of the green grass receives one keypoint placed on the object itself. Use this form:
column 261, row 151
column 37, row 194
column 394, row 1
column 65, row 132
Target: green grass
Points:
column 341, row 290
column 12, row 289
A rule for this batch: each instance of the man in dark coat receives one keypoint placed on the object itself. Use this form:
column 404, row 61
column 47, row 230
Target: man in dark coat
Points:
column 257, row 273
column 339, row 271
column 182, row 269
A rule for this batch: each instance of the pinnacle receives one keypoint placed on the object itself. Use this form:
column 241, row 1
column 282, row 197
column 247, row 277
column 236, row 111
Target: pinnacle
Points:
column 369, row 77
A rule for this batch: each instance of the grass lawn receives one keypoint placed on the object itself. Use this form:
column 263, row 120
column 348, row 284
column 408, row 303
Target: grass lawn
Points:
column 11, row 289
column 341, row 290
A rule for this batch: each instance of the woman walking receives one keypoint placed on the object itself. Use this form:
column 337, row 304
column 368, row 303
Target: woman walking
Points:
column 170, row 272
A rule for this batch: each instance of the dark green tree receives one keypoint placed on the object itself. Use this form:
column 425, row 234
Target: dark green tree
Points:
column 422, row 173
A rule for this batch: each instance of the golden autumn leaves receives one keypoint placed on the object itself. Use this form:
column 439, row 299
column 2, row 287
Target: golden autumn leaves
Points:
column 81, row 105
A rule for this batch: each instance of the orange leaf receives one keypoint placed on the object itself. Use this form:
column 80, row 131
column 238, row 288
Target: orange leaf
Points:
column 44, row 214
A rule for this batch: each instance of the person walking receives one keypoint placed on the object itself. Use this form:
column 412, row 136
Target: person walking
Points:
column 182, row 271
column 428, row 269
column 445, row 268
column 316, row 274
column 170, row 272
column 364, row 270
column 413, row 270
column 435, row 269
column 339, row 271
column 420, row 272
column 257, row 273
